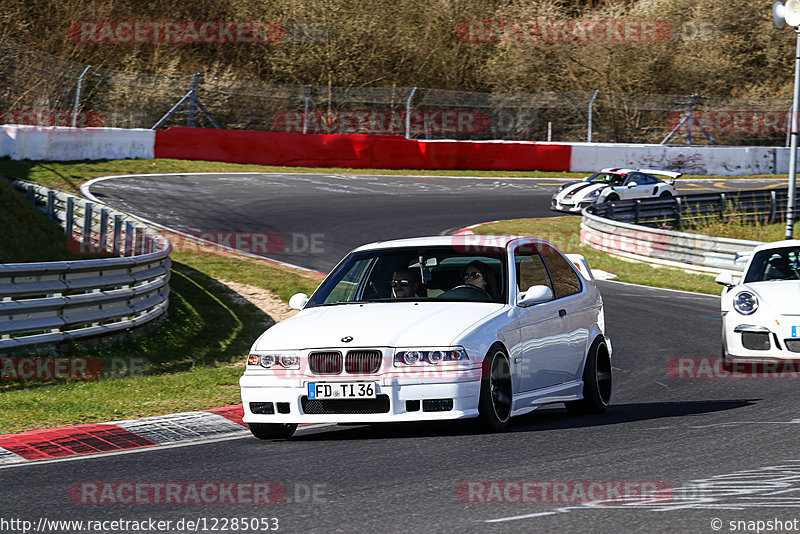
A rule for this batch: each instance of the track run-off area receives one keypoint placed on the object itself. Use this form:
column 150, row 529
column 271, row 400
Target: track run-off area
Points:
column 684, row 446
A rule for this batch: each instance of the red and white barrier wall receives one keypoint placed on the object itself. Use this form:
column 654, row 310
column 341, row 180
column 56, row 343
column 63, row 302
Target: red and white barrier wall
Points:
column 54, row 143
column 379, row 151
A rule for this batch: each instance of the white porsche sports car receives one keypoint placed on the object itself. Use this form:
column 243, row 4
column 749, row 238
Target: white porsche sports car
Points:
column 613, row 184
column 433, row 328
column 761, row 311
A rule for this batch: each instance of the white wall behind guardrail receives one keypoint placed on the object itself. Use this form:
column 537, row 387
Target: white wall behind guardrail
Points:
column 55, row 143
column 723, row 160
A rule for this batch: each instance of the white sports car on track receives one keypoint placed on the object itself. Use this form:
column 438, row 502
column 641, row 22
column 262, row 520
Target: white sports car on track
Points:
column 761, row 312
column 434, row 328
column 613, row 184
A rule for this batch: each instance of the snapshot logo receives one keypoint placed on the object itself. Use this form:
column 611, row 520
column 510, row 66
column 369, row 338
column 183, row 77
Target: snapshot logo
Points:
column 565, row 31
column 177, row 493
column 563, row 491
column 46, row 117
column 176, row 32
column 456, row 121
column 734, row 122
column 699, row 368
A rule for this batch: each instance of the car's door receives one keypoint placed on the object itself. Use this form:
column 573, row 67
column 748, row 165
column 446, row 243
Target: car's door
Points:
column 578, row 315
column 544, row 329
column 636, row 186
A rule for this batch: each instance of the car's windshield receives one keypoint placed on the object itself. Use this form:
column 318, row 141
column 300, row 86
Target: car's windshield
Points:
column 607, row 178
column 775, row 264
column 443, row 273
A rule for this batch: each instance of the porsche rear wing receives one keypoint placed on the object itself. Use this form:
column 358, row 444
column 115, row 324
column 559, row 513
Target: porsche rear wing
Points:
column 670, row 174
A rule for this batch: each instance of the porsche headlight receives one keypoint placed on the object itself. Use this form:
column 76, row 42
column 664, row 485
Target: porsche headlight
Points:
column 561, row 188
column 430, row 356
column 594, row 194
column 745, row 303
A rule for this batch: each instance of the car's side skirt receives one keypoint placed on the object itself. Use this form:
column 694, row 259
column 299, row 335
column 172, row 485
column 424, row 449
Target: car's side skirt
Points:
column 530, row 400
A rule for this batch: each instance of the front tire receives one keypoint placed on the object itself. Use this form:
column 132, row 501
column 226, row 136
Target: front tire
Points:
column 596, row 382
column 494, row 406
column 272, row 430
column 613, row 197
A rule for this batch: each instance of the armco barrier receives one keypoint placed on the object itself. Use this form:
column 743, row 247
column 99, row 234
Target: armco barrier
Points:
column 54, row 143
column 43, row 304
column 356, row 151
column 609, row 227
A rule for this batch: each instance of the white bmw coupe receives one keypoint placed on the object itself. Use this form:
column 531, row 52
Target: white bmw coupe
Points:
column 434, row 328
column 761, row 311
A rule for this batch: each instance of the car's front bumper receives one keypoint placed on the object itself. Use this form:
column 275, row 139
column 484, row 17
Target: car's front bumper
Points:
column 750, row 341
column 570, row 207
column 451, row 397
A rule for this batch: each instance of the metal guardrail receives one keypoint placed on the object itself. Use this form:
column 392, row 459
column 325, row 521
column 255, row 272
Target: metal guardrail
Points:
column 639, row 229
column 675, row 212
column 47, row 303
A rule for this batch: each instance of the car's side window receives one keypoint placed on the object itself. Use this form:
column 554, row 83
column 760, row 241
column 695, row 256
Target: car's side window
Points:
column 566, row 281
column 345, row 290
column 531, row 270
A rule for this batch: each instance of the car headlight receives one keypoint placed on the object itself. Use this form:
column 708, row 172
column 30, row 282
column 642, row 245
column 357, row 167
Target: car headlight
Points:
column 745, row 303
column 561, row 188
column 430, row 356
column 594, row 194
column 269, row 361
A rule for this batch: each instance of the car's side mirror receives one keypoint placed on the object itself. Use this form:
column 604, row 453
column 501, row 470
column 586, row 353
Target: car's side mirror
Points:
column 725, row 279
column 298, row 301
column 534, row 295
column 632, row 184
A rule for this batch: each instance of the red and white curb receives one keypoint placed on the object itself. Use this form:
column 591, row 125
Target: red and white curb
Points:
column 97, row 438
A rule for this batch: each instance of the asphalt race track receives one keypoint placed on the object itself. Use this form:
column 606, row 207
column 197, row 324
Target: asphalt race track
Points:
column 719, row 448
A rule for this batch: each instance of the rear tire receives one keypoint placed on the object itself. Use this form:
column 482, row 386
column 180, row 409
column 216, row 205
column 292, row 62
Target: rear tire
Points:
column 272, row 430
column 665, row 194
column 596, row 382
column 494, row 406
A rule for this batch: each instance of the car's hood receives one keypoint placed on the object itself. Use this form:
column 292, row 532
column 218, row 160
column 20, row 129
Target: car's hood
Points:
column 389, row 324
column 580, row 190
column 781, row 296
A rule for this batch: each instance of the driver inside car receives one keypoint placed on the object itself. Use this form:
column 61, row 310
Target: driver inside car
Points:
column 404, row 284
column 477, row 274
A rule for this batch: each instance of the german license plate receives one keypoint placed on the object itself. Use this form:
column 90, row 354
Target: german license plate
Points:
column 341, row 390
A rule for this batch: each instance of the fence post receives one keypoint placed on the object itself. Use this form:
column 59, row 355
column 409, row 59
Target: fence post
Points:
column 128, row 251
column 78, row 90
column 636, row 210
column 117, row 239
column 31, row 192
column 70, row 216
column 51, row 205
column 305, row 108
column 196, row 80
column 589, row 125
column 408, row 113
column 678, row 212
column 101, row 246
column 88, row 215
column 722, row 202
